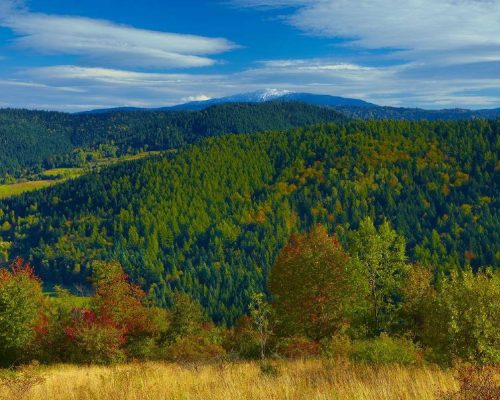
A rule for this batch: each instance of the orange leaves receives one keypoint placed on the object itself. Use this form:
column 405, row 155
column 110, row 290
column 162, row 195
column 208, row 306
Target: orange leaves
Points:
column 18, row 268
column 309, row 284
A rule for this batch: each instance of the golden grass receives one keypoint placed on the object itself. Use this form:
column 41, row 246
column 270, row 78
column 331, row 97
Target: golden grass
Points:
column 64, row 172
column 312, row 380
column 15, row 189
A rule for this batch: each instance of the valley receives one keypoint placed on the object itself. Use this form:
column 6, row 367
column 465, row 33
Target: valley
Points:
column 249, row 200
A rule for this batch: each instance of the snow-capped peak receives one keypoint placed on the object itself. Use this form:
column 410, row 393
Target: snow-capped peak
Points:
column 258, row 96
column 268, row 94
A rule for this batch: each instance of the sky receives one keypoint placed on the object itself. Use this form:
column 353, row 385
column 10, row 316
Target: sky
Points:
column 74, row 55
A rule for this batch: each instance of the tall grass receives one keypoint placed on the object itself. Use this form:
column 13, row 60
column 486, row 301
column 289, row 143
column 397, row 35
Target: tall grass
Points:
column 310, row 379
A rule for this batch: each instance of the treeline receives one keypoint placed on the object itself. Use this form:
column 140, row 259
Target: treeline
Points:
column 210, row 220
column 416, row 114
column 31, row 140
column 363, row 302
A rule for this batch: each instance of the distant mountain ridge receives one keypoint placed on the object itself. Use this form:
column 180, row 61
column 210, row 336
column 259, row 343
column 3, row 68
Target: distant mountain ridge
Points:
column 353, row 108
column 259, row 96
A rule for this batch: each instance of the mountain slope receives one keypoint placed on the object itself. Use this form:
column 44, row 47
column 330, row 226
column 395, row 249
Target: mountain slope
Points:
column 267, row 95
column 33, row 139
column 353, row 108
column 210, row 219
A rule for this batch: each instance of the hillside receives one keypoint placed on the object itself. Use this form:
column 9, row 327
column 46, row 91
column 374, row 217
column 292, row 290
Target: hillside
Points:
column 415, row 114
column 211, row 218
column 32, row 140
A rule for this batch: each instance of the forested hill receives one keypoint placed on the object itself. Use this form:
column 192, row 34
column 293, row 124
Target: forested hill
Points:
column 30, row 140
column 415, row 114
column 210, row 218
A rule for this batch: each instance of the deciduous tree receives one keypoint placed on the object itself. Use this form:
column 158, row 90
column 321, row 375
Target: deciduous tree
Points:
column 310, row 285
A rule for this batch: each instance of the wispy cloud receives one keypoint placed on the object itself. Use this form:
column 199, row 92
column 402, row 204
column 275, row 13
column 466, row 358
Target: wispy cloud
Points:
column 414, row 29
column 50, row 87
column 422, row 52
column 107, row 43
column 416, row 53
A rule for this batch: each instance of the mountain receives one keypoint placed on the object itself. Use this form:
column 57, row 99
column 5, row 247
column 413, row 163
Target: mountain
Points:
column 261, row 96
column 31, row 140
column 210, row 218
column 352, row 108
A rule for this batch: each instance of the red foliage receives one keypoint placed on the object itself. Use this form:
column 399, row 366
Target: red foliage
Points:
column 309, row 284
column 116, row 308
column 18, row 268
column 21, row 278
column 298, row 347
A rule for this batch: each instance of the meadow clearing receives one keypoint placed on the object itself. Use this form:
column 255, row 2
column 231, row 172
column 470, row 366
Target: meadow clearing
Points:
column 54, row 176
column 299, row 379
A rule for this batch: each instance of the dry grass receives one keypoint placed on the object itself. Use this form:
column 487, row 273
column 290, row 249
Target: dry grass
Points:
column 297, row 380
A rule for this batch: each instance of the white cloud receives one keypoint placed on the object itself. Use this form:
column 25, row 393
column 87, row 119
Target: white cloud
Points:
column 107, row 43
column 415, row 52
column 200, row 97
column 75, row 88
column 448, row 55
column 420, row 29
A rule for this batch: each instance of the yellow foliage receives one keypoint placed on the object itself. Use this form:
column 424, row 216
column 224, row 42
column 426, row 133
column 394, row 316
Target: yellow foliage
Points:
column 466, row 208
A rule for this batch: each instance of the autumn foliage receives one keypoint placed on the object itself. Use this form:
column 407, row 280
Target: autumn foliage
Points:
column 22, row 317
column 115, row 318
column 363, row 303
column 310, row 286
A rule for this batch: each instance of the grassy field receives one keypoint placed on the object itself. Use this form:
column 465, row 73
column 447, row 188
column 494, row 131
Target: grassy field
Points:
column 309, row 380
column 15, row 189
column 58, row 175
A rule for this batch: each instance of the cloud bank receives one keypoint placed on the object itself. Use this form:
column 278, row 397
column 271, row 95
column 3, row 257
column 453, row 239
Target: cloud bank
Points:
column 103, row 42
column 415, row 27
column 434, row 54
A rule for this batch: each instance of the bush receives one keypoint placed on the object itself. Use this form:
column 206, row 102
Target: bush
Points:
column 243, row 340
column 142, row 348
column 194, row 348
column 463, row 321
column 298, row 347
column 268, row 368
column 338, row 347
column 384, row 350
column 96, row 344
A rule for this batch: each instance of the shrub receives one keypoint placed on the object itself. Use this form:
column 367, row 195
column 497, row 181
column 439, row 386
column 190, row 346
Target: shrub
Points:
column 194, row 348
column 463, row 321
column 338, row 347
column 187, row 317
column 114, row 326
column 298, row 347
column 91, row 342
column 384, row 350
column 142, row 348
column 243, row 340
column 268, row 368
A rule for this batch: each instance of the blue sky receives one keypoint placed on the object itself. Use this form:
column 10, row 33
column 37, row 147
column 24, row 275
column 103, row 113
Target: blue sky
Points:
column 75, row 55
